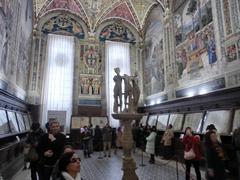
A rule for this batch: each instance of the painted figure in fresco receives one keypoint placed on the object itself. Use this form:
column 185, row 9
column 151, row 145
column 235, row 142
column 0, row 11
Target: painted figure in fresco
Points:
column 192, row 41
column 86, row 86
column 96, row 87
column 212, row 56
column 117, row 91
column 232, row 53
column 181, row 61
column 77, row 30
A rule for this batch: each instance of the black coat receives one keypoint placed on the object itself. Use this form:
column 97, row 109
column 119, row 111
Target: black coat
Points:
column 56, row 146
column 34, row 137
column 214, row 162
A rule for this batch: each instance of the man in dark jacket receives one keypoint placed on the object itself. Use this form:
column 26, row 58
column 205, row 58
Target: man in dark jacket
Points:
column 50, row 148
column 236, row 144
column 107, row 139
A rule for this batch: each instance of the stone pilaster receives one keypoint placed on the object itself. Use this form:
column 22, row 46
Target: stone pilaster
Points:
column 218, row 30
column 169, row 54
column 235, row 15
column 37, row 56
column 140, row 71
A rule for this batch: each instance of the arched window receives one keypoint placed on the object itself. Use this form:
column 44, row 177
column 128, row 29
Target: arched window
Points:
column 58, row 79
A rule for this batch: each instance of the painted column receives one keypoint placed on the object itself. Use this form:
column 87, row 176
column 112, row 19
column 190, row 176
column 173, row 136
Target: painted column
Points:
column 38, row 57
column 33, row 91
column 169, row 57
column 140, row 72
column 218, row 31
column 234, row 15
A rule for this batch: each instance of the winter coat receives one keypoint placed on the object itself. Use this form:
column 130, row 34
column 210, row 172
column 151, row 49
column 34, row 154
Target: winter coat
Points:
column 215, row 163
column 150, row 147
column 192, row 142
column 167, row 137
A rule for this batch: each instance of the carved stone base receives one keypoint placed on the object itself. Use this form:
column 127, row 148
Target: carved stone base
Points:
column 129, row 167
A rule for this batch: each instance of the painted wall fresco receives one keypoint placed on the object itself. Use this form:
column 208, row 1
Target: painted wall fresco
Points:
column 63, row 22
column 192, row 17
column 25, row 40
column 117, row 32
column 90, row 85
column 196, row 55
column 15, row 43
column 90, row 59
column 153, row 52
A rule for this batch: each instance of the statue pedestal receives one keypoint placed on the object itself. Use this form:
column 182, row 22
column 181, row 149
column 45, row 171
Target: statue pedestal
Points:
column 129, row 165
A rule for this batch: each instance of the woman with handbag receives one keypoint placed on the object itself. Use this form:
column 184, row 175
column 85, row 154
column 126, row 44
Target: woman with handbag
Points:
column 215, row 157
column 192, row 152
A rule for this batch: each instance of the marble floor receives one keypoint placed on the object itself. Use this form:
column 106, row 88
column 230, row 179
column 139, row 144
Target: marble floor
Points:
column 110, row 168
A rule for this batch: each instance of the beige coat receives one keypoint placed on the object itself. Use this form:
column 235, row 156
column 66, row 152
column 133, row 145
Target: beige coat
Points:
column 167, row 137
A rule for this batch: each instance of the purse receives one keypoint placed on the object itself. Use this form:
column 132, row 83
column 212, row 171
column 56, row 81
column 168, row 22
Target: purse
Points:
column 189, row 155
column 32, row 155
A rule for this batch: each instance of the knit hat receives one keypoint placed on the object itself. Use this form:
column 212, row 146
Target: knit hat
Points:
column 64, row 161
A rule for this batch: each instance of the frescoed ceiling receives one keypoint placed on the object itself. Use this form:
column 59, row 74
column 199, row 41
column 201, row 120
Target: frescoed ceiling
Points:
column 93, row 12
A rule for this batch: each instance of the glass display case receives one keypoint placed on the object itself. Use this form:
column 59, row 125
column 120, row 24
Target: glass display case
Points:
column 21, row 122
column 101, row 121
column 4, row 128
column 79, row 122
column 236, row 121
column 221, row 120
column 13, row 122
column 26, row 121
column 152, row 120
column 143, row 121
column 176, row 120
column 162, row 121
column 193, row 120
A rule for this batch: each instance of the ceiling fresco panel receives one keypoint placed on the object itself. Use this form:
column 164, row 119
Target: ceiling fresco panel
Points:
column 95, row 11
column 141, row 9
column 39, row 5
column 64, row 4
column 121, row 11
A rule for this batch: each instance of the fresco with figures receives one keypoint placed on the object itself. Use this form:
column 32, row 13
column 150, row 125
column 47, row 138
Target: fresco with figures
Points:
column 117, row 32
column 90, row 85
column 63, row 22
column 153, row 52
column 94, row 11
column 196, row 56
column 15, row 45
